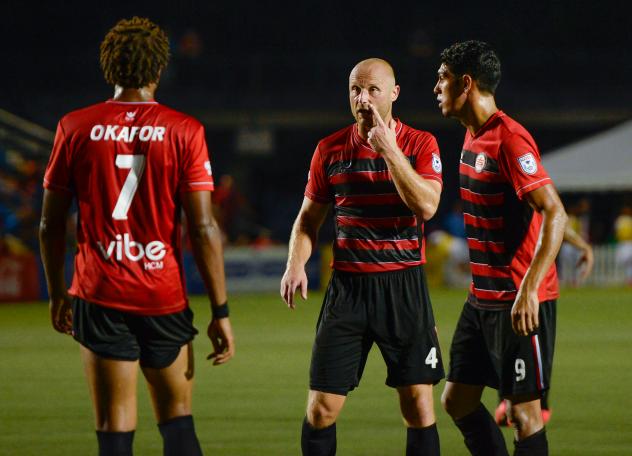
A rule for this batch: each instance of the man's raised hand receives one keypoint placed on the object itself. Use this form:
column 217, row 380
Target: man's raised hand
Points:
column 382, row 137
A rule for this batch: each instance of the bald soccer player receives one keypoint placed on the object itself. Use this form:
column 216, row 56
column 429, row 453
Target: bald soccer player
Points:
column 384, row 180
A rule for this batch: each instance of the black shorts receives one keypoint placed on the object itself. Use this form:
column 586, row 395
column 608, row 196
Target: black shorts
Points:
column 114, row 334
column 391, row 309
column 486, row 351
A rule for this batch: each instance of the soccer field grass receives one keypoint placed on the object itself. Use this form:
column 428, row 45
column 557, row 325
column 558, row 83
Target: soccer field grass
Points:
column 255, row 404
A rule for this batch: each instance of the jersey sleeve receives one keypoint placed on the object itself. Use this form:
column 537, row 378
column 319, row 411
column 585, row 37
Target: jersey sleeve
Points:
column 318, row 188
column 196, row 174
column 58, row 175
column 521, row 165
column 427, row 158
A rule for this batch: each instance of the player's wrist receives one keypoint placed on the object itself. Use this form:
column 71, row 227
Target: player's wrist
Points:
column 58, row 295
column 295, row 268
column 219, row 311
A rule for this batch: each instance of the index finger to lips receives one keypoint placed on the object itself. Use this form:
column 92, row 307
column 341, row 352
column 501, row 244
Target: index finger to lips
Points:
column 376, row 115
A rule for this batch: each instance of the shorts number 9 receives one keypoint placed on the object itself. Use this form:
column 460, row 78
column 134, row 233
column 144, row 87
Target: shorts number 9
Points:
column 521, row 371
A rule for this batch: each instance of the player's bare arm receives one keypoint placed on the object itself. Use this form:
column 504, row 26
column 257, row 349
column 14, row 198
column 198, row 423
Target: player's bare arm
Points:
column 302, row 242
column 586, row 257
column 420, row 195
column 52, row 234
column 546, row 201
column 207, row 249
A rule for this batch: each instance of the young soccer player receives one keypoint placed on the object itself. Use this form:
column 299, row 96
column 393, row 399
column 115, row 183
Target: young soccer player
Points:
column 515, row 223
column 132, row 164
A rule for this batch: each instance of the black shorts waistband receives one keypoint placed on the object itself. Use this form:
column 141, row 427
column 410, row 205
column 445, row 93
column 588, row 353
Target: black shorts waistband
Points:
column 419, row 268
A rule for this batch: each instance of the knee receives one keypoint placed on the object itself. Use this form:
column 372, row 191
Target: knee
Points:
column 418, row 410
column 527, row 420
column 458, row 407
column 320, row 414
column 449, row 404
column 115, row 424
column 177, row 409
column 417, row 405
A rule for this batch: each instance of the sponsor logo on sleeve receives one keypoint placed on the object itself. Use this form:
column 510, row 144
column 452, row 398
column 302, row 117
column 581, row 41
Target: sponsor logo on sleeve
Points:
column 436, row 163
column 207, row 166
column 528, row 163
column 479, row 164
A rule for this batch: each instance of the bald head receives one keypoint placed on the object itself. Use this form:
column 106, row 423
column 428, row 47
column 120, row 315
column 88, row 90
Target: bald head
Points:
column 377, row 68
column 372, row 83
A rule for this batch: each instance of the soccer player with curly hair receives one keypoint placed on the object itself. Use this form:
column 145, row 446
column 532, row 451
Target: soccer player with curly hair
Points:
column 131, row 164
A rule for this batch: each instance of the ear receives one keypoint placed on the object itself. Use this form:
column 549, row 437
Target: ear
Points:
column 468, row 83
column 395, row 93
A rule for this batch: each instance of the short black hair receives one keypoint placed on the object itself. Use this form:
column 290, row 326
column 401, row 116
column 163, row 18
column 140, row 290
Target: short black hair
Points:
column 133, row 53
column 477, row 59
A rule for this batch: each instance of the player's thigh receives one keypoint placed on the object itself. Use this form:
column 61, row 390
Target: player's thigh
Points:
column 106, row 332
column 110, row 356
column 525, row 362
column 161, row 337
column 112, row 386
column 412, row 360
column 404, row 329
column 341, row 345
column 171, row 387
column 470, row 358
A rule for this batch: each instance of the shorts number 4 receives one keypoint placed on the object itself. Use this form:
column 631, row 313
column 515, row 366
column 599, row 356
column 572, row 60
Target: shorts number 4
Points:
column 432, row 359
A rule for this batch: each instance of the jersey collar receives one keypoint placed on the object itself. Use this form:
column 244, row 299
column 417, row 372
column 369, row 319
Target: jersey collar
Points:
column 150, row 102
column 488, row 123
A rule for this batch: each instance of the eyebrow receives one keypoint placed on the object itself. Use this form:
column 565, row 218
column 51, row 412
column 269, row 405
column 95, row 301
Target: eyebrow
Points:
column 366, row 84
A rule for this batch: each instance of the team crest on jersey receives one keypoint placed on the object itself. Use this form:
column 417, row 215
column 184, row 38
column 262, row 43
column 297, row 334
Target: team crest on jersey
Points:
column 129, row 116
column 436, row 163
column 479, row 164
column 528, row 163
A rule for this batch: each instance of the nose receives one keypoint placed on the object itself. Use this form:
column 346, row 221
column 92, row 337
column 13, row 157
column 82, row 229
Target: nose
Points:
column 364, row 96
column 436, row 88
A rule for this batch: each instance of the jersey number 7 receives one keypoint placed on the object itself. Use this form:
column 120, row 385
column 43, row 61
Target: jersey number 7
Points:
column 136, row 165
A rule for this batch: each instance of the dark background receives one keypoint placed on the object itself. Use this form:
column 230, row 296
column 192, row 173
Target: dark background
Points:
column 283, row 67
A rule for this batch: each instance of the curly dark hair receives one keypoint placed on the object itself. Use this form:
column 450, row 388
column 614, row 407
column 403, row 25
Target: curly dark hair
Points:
column 477, row 59
column 133, row 53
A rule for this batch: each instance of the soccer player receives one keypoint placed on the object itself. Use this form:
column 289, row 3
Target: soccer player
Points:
column 384, row 180
column 132, row 164
column 515, row 223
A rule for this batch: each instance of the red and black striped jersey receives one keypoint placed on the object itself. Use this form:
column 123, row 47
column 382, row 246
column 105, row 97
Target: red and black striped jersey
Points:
column 375, row 230
column 499, row 165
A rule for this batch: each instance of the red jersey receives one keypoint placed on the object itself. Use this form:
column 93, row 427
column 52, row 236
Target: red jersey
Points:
column 375, row 230
column 499, row 165
column 126, row 164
